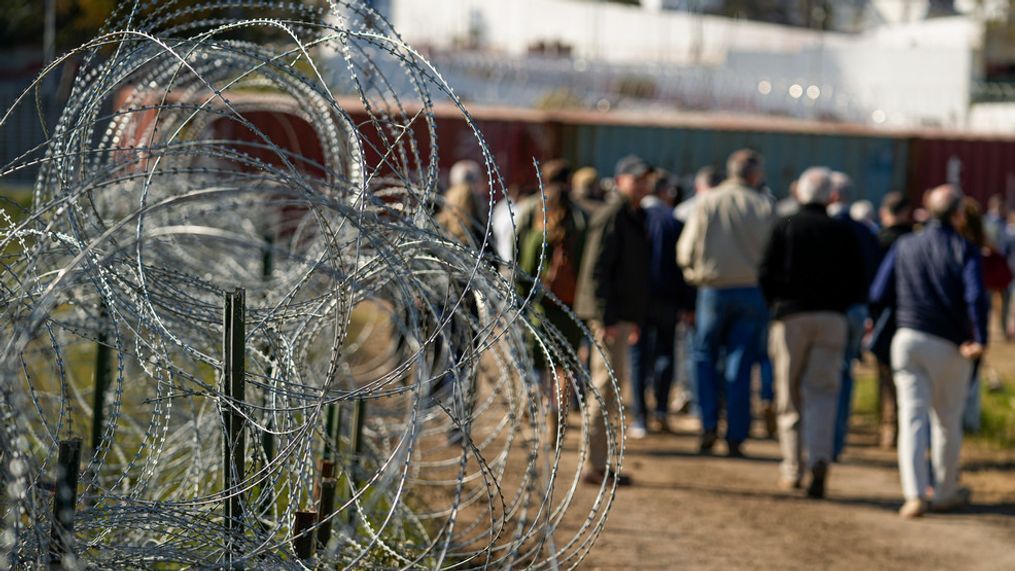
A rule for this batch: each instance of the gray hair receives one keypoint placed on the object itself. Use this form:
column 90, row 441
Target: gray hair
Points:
column 862, row 211
column 944, row 201
column 814, row 186
column 464, row 172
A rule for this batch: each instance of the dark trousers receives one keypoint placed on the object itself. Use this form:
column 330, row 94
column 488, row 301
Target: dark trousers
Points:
column 888, row 407
column 653, row 359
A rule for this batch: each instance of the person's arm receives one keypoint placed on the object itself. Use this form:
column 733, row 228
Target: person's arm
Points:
column 977, row 303
column 687, row 245
column 603, row 272
column 861, row 268
column 882, row 292
column 686, row 293
column 773, row 262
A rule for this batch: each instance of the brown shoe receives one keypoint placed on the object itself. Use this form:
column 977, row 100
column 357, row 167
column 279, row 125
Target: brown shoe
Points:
column 913, row 509
column 790, row 485
column 661, row 424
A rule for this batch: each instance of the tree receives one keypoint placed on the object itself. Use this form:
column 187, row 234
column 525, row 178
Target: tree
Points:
column 22, row 22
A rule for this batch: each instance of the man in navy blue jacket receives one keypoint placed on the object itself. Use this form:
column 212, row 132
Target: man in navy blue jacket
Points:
column 935, row 282
column 653, row 357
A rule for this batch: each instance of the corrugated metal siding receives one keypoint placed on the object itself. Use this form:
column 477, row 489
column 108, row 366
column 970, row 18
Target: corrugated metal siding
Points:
column 877, row 164
column 287, row 131
column 984, row 166
column 513, row 144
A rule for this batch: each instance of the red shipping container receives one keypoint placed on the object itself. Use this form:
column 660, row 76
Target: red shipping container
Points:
column 982, row 166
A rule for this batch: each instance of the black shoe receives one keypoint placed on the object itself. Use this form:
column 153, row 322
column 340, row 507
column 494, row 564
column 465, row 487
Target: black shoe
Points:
column 456, row 436
column 819, row 472
column 708, row 440
column 734, row 450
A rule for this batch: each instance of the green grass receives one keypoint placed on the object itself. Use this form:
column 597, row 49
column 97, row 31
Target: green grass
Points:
column 14, row 202
column 998, row 418
column 865, row 396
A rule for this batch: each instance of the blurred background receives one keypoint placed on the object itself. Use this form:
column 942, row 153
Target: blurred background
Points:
column 904, row 94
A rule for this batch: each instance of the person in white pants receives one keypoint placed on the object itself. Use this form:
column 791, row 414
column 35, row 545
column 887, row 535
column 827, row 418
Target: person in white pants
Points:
column 931, row 380
column 934, row 283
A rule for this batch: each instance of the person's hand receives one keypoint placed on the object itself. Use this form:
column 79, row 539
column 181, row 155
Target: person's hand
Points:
column 634, row 335
column 972, row 350
column 610, row 333
column 868, row 332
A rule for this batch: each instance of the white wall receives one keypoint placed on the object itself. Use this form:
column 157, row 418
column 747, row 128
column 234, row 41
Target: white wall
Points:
column 955, row 32
column 897, row 86
column 996, row 118
column 609, row 32
column 905, row 75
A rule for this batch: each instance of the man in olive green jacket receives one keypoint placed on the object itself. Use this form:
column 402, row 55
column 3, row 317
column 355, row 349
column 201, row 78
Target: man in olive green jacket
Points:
column 613, row 296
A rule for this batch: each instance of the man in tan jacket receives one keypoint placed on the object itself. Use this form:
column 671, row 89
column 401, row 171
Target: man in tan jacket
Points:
column 720, row 250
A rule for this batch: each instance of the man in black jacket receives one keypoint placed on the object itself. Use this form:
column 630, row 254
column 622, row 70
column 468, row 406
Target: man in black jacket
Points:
column 811, row 273
column 613, row 296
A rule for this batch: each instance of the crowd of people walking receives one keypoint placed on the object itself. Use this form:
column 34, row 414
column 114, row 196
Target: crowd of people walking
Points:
column 796, row 290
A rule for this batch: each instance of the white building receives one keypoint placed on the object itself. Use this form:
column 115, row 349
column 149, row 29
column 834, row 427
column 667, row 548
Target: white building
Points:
column 913, row 72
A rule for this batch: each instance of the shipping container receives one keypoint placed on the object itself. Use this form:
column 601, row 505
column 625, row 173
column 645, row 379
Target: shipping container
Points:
column 876, row 163
column 514, row 138
column 982, row 166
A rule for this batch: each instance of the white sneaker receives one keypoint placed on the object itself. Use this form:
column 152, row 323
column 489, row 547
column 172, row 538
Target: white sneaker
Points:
column 913, row 509
column 637, row 432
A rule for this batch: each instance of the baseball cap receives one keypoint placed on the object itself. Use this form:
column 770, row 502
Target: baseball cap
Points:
column 632, row 165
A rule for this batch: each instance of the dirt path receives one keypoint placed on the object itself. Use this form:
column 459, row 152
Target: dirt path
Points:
column 693, row 512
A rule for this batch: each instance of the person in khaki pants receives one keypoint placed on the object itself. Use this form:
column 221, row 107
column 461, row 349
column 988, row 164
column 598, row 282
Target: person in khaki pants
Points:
column 613, row 296
column 812, row 271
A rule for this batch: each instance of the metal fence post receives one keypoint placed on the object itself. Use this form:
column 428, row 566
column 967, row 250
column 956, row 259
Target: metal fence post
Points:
column 68, row 466
column 234, row 446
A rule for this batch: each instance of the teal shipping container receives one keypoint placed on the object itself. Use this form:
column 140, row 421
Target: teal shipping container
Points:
column 878, row 164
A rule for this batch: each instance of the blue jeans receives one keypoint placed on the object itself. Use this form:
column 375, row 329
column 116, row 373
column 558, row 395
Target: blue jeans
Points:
column 730, row 320
column 653, row 360
column 765, row 368
column 856, row 317
column 689, row 384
